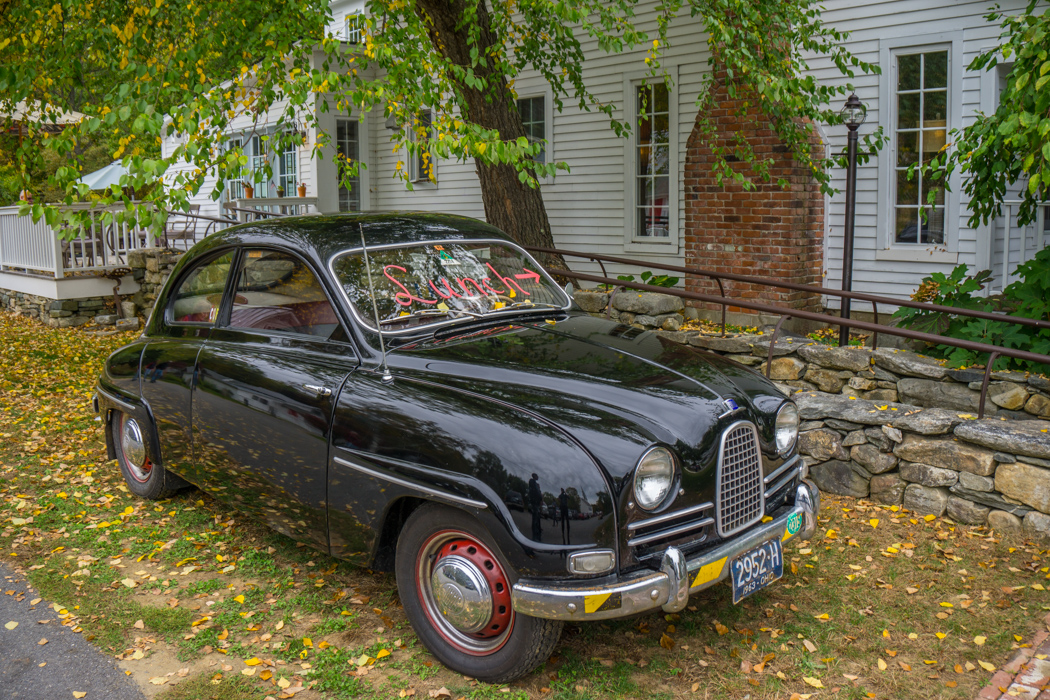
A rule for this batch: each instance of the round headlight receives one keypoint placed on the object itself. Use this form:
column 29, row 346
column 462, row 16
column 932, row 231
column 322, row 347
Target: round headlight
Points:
column 786, row 428
column 653, row 477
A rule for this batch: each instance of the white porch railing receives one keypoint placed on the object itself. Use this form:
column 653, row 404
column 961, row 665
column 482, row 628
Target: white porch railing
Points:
column 259, row 208
column 96, row 248
column 1013, row 244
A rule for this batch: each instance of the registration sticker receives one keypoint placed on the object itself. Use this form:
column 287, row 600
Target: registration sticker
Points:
column 794, row 523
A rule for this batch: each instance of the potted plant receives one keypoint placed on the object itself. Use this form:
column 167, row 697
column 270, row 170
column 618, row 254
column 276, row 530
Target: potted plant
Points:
column 249, row 191
column 280, row 190
column 302, row 189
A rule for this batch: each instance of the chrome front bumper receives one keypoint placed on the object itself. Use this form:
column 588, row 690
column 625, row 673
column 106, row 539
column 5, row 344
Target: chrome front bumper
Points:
column 670, row 587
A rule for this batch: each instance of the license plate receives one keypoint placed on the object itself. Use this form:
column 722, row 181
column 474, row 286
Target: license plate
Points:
column 756, row 569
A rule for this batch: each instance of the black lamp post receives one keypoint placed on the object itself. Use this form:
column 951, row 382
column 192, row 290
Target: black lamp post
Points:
column 853, row 115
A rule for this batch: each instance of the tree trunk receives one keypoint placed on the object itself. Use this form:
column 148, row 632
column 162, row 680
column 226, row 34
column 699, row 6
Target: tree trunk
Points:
column 510, row 205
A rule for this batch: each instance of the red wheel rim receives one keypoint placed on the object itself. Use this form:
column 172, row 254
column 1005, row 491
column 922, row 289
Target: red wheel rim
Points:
column 470, row 554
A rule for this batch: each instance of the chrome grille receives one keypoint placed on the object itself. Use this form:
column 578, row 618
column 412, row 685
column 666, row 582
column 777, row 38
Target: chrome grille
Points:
column 740, row 494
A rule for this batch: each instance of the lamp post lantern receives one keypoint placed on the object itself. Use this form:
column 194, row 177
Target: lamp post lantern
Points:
column 853, row 114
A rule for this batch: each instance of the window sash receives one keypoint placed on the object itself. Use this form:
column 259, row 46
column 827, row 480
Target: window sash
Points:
column 421, row 164
column 533, row 111
column 348, row 146
column 921, row 96
column 653, row 158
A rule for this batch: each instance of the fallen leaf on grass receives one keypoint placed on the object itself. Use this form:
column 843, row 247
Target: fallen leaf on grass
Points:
column 979, row 640
column 882, row 665
column 666, row 642
column 815, row 682
column 441, row 692
column 905, row 666
column 158, row 680
column 720, row 628
column 822, row 616
column 810, row 646
column 940, row 635
column 139, row 625
column 129, row 582
column 986, row 666
column 382, row 653
column 283, row 683
column 280, row 625
column 254, row 661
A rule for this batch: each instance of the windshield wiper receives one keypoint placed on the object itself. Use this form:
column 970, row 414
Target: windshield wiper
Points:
column 433, row 313
column 530, row 305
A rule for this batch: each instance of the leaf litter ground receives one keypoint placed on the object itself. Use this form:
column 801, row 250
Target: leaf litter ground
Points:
column 198, row 601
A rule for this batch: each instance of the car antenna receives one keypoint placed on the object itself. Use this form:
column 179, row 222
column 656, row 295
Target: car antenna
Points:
column 387, row 377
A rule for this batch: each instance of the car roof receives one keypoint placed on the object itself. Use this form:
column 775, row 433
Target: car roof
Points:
column 328, row 234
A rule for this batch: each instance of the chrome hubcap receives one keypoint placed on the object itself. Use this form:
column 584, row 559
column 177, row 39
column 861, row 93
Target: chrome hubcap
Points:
column 461, row 593
column 133, row 448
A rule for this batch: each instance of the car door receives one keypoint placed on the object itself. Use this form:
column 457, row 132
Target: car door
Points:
column 169, row 361
column 267, row 383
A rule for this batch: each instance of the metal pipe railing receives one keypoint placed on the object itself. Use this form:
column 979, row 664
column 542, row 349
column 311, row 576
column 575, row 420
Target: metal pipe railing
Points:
column 763, row 282
column 994, row 351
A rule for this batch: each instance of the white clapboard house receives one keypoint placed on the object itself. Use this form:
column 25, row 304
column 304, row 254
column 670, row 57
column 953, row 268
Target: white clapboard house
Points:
column 648, row 196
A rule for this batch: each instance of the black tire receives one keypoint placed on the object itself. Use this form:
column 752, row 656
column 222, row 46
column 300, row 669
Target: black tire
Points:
column 516, row 644
column 146, row 477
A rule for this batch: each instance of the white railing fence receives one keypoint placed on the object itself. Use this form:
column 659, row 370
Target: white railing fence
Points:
column 97, row 247
column 261, row 208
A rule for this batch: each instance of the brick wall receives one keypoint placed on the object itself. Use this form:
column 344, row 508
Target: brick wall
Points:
column 768, row 231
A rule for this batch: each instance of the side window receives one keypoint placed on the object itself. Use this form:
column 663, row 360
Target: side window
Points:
column 199, row 296
column 277, row 292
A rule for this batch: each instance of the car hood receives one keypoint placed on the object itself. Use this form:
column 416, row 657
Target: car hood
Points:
column 614, row 388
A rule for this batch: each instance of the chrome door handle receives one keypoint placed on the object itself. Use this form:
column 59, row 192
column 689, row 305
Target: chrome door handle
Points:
column 319, row 390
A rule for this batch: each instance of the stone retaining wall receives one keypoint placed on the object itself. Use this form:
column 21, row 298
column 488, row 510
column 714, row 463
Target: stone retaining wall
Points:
column 892, row 425
column 60, row 313
column 150, row 267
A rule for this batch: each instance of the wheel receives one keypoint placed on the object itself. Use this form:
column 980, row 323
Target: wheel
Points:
column 144, row 477
column 455, row 587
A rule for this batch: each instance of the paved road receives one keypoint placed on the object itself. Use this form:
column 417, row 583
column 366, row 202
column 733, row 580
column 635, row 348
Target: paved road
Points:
column 71, row 662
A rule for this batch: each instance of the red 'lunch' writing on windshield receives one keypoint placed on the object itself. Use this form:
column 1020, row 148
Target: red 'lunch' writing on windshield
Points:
column 470, row 287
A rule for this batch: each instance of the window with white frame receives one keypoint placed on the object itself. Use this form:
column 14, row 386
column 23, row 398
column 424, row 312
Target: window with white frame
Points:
column 421, row 163
column 353, row 28
column 348, row 145
column 533, row 111
column 289, row 169
column 253, row 148
column 920, row 132
column 653, row 161
column 234, row 186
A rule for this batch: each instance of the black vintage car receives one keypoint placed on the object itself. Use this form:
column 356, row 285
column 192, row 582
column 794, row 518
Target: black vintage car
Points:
column 414, row 392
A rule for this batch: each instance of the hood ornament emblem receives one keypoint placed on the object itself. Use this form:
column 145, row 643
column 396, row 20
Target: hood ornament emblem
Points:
column 731, row 407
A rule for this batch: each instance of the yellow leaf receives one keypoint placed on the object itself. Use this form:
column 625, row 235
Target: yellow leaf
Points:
column 266, row 675
column 815, row 682
column 239, row 599
column 254, row 661
column 986, row 666
column 224, row 634
column 279, row 625
column 979, row 640
column 323, row 645
column 283, row 683
column 947, row 605
column 928, row 518
column 79, row 693
column 886, row 634
column 308, row 643
column 874, row 522
column 882, row 665
column 941, row 635
column 822, row 616
column 666, row 642
column 382, row 653
column 11, row 625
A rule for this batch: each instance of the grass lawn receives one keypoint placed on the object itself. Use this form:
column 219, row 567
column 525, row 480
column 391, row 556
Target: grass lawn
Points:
column 199, row 602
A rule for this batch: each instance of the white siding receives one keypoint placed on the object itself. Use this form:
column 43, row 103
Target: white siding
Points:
column 880, row 266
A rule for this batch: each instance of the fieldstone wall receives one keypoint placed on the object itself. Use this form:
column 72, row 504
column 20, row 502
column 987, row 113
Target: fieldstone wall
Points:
column 932, row 461
column 150, row 267
column 891, row 425
column 62, row 313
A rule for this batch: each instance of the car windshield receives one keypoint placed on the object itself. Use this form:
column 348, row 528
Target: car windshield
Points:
column 420, row 284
